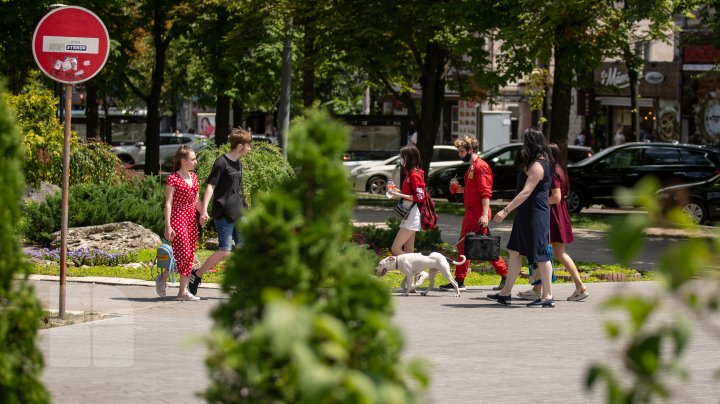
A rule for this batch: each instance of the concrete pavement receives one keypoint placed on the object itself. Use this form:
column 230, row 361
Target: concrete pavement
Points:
column 151, row 350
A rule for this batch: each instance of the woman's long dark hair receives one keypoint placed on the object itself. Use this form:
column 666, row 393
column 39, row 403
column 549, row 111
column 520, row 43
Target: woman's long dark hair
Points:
column 534, row 148
column 411, row 156
column 559, row 160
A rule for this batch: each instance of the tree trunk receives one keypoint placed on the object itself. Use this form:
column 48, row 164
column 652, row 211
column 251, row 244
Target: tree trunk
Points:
column 91, row 110
column 107, row 129
column 308, row 67
column 152, row 130
column 238, row 112
column 222, row 119
column 631, row 63
column 561, row 98
column 433, row 95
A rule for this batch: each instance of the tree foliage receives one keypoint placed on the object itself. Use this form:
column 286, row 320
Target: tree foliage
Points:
column 306, row 321
column 44, row 137
column 20, row 311
column 652, row 351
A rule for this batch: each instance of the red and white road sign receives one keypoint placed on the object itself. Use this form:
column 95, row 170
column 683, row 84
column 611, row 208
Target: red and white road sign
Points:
column 71, row 44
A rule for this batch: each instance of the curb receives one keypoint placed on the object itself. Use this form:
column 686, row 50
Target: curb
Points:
column 112, row 281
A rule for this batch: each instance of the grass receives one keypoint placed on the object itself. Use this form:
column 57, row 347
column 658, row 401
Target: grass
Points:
column 51, row 319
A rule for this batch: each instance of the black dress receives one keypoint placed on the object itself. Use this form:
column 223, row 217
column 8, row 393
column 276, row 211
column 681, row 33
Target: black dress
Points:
column 531, row 227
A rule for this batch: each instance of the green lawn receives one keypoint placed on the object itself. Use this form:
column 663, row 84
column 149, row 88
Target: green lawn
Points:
column 393, row 278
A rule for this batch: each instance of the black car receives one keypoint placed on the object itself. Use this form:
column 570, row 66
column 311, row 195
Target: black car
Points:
column 501, row 160
column 700, row 200
column 594, row 180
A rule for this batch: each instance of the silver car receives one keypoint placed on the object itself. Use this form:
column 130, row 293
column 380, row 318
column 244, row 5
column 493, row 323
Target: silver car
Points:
column 134, row 154
column 372, row 178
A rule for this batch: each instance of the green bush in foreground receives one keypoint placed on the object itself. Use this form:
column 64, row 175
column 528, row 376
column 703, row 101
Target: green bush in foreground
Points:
column 306, row 321
column 20, row 311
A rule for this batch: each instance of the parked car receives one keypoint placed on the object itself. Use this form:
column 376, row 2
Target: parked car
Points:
column 501, row 160
column 373, row 177
column 594, row 180
column 357, row 158
column 134, row 154
column 700, row 200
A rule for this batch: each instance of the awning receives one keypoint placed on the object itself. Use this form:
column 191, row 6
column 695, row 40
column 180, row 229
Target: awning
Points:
column 625, row 101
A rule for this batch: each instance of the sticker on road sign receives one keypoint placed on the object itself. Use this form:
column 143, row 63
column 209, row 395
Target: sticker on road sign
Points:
column 70, row 44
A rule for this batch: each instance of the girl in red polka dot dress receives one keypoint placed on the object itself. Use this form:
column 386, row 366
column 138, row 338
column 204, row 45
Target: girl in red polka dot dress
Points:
column 181, row 203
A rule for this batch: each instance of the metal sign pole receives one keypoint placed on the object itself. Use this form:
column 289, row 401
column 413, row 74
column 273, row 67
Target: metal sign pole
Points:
column 64, row 205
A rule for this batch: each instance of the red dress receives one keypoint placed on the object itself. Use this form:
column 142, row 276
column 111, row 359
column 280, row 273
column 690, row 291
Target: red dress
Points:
column 183, row 221
column 560, row 228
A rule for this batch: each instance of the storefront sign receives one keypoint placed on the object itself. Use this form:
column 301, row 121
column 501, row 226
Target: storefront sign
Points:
column 659, row 79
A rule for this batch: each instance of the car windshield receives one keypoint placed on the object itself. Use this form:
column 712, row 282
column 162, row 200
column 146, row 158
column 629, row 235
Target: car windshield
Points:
column 492, row 150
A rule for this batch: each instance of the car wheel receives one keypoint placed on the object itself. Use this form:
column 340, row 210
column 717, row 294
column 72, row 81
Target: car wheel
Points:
column 126, row 160
column 696, row 211
column 574, row 201
column 377, row 185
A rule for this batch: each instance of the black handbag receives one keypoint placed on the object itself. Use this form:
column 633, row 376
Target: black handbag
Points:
column 401, row 211
column 482, row 247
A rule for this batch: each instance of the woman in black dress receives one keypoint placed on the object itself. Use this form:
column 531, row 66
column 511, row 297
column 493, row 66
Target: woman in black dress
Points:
column 531, row 227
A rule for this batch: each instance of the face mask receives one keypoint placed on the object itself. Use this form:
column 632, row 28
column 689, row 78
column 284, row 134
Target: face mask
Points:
column 402, row 161
column 466, row 158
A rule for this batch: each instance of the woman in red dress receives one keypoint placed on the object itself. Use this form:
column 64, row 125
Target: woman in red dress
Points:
column 181, row 203
column 561, row 233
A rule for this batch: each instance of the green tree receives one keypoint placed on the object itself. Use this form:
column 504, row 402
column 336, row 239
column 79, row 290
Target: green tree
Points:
column 571, row 33
column 427, row 43
column 18, row 19
column 20, row 311
column 635, row 23
column 306, row 321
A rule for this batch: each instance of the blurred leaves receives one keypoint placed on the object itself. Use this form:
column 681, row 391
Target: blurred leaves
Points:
column 653, row 345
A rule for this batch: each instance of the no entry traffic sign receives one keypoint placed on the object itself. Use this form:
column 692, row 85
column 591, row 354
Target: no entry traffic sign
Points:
column 71, row 44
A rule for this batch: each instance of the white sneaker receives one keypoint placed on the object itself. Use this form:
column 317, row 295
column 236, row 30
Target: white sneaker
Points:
column 188, row 297
column 160, row 286
column 529, row 295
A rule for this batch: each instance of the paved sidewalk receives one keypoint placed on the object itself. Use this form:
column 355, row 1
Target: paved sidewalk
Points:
column 150, row 349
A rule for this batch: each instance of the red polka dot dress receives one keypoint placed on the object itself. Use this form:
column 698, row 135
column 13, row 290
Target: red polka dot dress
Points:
column 184, row 221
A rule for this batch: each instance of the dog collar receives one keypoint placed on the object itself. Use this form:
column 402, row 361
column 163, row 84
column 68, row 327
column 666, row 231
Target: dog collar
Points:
column 396, row 262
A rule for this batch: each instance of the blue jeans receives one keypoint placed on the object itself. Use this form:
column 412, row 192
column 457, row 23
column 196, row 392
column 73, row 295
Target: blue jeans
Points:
column 227, row 233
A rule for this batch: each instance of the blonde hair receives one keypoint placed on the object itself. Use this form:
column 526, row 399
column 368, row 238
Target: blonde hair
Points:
column 469, row 143
column 240, row 136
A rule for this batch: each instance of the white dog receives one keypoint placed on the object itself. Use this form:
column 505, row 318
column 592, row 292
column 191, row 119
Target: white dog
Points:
column 414, row 264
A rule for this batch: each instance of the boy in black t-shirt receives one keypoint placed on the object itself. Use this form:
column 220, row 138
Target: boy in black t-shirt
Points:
column 225, row 184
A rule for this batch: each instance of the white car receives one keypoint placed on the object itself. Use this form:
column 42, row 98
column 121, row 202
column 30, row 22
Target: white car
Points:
column 134, row 154
column 372, row 178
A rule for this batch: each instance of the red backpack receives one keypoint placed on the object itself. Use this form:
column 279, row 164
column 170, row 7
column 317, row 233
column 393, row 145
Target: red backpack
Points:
column 428, row 217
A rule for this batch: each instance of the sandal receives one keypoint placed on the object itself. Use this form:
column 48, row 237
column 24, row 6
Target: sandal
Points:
column 578, row 295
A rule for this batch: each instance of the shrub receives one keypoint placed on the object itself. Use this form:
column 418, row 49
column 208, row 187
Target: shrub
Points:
column 377, row 238
column 306, row 321
column 140, row 202
column 85, row 256
column 20, row 311
column 43, row 137
column 263, row 168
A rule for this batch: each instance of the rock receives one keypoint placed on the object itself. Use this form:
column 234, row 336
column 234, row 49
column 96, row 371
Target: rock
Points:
column 112, row 237
column 41, row 192
column 134, row 265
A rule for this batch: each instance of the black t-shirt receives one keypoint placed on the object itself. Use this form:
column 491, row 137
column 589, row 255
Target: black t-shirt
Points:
column 226, row 177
